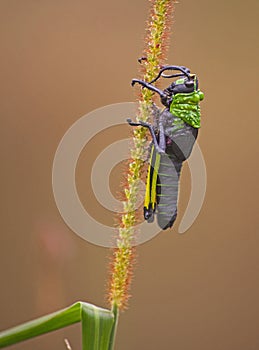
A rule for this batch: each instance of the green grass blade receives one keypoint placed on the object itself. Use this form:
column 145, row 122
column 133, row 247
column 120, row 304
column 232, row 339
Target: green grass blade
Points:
column 97, row 325
column 45, row 324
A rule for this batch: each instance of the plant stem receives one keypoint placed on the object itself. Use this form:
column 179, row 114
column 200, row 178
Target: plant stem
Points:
column 115, row 311
column 123, row 255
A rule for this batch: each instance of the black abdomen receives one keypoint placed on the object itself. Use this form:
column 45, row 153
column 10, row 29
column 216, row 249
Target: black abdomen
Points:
column 167, row 191
column 180, row 142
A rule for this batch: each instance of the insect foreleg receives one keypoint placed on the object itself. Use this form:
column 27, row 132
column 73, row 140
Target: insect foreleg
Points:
column 152, row 132
column 150, row 87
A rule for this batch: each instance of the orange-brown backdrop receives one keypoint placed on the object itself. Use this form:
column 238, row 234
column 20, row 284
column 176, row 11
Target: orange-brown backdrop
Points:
column 62, row 59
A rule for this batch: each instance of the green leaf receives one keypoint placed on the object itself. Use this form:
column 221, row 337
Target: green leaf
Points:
column 97, row 324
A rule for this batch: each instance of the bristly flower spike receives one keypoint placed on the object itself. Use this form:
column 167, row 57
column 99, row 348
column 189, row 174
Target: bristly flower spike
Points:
column 153, row 57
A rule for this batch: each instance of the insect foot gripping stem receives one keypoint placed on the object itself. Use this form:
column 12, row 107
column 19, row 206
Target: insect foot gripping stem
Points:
column 152, row 132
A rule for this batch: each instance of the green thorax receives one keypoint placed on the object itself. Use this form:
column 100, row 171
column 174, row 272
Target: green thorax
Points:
column 186, row 106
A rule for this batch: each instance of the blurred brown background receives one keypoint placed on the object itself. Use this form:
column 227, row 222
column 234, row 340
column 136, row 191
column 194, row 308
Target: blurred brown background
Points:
column 62, row 59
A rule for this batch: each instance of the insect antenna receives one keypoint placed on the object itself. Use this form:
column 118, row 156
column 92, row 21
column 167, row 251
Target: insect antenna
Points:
column 185, row 72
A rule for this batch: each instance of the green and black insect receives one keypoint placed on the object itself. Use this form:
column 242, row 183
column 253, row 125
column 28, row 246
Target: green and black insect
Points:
column 174, row 131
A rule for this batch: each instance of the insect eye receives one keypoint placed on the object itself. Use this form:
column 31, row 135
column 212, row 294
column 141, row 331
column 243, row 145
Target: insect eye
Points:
column 189, row 83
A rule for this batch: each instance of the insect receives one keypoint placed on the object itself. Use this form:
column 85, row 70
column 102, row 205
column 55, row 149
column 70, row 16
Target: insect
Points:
column 174, row 131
